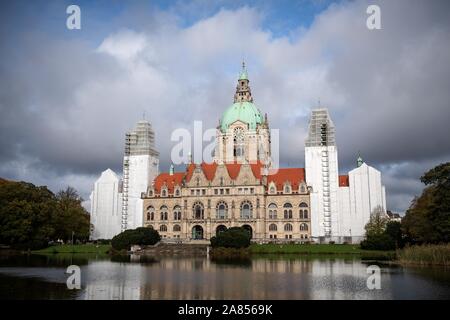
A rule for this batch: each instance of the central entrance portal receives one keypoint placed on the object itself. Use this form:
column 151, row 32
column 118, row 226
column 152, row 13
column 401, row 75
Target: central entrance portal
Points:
column 197, row 232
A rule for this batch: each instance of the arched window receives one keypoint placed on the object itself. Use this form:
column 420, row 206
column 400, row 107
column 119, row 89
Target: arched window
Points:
column 303, row 227
column 150, row 213
column 288, row 227
column 303, row 213
column 272, row 211
column 177, row 228
column 246, row 210
column 197, row 209
column 163, row 228
column 164, row 215
column 177, row 192
column 163, row 193
column 177, row 213
column 287, row 210
column 303, row 205
column 221, row 210
column 273, row 227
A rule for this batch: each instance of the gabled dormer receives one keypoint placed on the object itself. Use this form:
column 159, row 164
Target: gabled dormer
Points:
column 302, row 188
column 198, row 178
column 164, row 191
column 272, row 189
column 287, row 188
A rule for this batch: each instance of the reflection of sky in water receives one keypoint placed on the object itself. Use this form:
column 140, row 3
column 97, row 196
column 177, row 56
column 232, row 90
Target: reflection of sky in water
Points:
column 199, row 278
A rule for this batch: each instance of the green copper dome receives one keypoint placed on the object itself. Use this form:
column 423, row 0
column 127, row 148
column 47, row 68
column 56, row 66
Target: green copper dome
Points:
column 243, row 75
column 244, row 111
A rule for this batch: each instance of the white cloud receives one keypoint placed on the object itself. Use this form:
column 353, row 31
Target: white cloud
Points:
column 386, row 89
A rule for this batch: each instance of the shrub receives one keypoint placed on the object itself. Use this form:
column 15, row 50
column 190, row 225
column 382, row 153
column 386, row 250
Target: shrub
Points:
column 235, row 237
column 380, row 241
column 139, row 236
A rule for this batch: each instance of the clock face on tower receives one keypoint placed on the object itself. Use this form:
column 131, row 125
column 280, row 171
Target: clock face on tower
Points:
column 239, row 134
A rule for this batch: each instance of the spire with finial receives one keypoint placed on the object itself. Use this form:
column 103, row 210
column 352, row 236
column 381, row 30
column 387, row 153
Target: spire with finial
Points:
column 243, row 75
column 243, row 92
column 171, row 169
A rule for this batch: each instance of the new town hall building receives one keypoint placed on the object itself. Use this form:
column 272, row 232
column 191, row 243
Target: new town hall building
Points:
column 241, row 187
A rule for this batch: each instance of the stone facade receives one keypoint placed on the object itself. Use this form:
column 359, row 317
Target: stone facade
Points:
column 207, row 198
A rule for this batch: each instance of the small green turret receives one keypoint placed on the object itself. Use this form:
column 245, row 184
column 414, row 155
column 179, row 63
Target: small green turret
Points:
column 359, row 161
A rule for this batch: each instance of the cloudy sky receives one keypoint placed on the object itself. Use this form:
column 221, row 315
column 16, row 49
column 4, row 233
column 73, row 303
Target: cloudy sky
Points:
column 67, row 97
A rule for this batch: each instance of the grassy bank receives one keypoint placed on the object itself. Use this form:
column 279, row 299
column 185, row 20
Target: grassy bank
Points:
column 306, row 248
column 226, row 253
column 79, row 248
column 425, row 255
column 321, row 249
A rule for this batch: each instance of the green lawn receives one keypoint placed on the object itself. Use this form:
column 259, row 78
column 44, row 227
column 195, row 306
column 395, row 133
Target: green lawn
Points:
column 78, row 248
column 308, row 248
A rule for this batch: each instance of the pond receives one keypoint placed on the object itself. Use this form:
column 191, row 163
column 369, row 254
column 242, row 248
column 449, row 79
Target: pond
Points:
column 264, row 277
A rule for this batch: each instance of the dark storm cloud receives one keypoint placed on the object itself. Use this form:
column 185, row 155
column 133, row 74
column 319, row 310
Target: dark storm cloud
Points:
column 66, row 99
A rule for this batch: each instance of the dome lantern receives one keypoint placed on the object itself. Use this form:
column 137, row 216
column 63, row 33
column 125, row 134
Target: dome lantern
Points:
column 243, row 108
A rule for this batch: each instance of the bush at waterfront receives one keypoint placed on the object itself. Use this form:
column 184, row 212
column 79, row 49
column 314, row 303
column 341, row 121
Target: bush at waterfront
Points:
column 425, row 255
column 380, row 241
column 138, row 236
column 235, row 237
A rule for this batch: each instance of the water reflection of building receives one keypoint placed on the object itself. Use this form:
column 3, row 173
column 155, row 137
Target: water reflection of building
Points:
column 113, row 281
column 259, row 278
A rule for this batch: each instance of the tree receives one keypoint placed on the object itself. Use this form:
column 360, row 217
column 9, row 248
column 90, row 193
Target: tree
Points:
column 71, row 217
column 394, row 231
column 25, row 215
column 31, row 216
column 377, row 235
column 377, row 222
column 416, row 225
column 428, row 218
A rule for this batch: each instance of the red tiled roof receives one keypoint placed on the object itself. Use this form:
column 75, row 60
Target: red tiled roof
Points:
column 294, row 175
column 343, row 181
column 170, row 180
